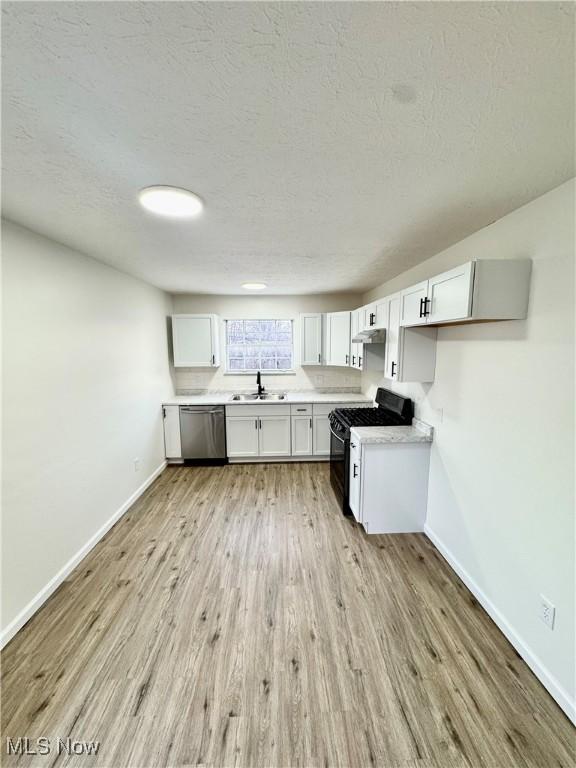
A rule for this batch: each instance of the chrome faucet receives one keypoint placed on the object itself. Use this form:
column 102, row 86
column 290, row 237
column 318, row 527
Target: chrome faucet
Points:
column 259, row 382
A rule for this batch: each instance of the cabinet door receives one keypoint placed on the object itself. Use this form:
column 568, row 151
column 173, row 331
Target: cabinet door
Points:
column 274, row 436
column 321, row 435
column 242, row 436
column 393, row 338
column 355, row 481
column 412, row 304
column 369, row 319
column 450, row 294
column 311, row 339
column 381, row 312
column 355, row 347
column 301, row 435
column 172, row 442
column 195, row 341
column 338, row 338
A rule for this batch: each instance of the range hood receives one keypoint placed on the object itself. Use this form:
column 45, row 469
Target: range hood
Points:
column 370, row 336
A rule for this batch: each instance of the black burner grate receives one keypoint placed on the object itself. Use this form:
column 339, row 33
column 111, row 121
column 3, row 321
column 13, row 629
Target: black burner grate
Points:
column 365, row 417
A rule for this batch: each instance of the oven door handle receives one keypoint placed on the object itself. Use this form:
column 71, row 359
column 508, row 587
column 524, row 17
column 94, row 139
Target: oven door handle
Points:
column 341, row 439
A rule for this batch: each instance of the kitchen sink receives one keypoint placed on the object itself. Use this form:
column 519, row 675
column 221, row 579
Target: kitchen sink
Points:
column 264, row 396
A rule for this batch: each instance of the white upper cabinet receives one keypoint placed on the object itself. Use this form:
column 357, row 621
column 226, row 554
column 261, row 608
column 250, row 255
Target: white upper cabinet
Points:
column 392, row 337
column 486, row 289
column 410, row 352
column 449, row 295
column 338, row 338
column 195, row 341
column 356, row 348
column 374, row 316
column 311, row 339
column 412, row 304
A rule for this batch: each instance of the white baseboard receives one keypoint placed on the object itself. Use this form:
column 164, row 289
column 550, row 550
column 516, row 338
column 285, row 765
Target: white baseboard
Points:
column 548, row 681
column 17, row 623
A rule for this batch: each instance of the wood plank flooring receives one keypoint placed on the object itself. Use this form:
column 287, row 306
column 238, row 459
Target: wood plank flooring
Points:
column 234, row 617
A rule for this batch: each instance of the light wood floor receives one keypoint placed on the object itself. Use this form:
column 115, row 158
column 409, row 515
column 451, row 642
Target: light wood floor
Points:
column 234, row 617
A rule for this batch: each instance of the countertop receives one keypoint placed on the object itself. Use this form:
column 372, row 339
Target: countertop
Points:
column 304, row 396
column 418, row 432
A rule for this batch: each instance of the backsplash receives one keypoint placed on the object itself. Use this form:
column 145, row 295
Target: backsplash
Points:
column 189, row 380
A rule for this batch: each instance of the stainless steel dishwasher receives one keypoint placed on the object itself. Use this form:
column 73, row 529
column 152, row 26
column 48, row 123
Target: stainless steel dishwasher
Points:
column 203, row 432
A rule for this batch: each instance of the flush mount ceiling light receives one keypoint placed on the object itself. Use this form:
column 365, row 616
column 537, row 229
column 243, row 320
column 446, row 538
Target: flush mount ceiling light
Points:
column 173, row 202
column 254, row 286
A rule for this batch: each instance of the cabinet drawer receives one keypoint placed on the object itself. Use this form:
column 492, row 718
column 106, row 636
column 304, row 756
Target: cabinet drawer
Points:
column 301, row 409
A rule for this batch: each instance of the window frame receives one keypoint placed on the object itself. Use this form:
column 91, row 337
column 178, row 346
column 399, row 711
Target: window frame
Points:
column 264, row 371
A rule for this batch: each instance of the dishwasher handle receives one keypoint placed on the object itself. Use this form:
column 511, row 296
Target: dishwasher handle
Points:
column 188, row 409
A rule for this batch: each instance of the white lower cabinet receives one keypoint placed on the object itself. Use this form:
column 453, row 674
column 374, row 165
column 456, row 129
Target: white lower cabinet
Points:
column 274, row 435
column 172, row 443
column 258, row 430
column 299, row 429
column 302, row 435
column 320, row 434
column 389, row 485
column 355, row 486
column 242, row 436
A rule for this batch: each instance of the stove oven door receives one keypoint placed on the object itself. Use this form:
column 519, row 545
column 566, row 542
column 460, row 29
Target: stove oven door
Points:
column 339, row 465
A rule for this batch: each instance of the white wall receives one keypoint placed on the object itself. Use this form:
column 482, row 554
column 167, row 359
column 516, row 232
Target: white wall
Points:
column 501, row 492
column 85, row 368
column 266, row 308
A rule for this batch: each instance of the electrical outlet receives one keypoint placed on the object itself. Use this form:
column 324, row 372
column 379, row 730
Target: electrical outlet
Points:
column 547, row 612
column 136, row 465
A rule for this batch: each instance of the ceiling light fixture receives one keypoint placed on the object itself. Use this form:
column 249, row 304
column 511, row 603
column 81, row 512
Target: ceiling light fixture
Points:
column 170, row 201
column 254, row 286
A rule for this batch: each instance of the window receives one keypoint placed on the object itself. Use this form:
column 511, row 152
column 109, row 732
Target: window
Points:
column 259, row 345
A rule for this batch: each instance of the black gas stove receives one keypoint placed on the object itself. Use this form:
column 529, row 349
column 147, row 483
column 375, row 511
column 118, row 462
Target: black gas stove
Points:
column 392, row 410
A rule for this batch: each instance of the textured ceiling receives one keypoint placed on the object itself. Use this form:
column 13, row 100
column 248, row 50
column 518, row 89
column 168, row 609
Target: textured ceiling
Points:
column 335, row 144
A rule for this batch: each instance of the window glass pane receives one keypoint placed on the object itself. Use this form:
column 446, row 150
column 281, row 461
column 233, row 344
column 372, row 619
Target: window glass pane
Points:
column 283, row 330
column 235, row 330
column 252, row 331
column 252, row 345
